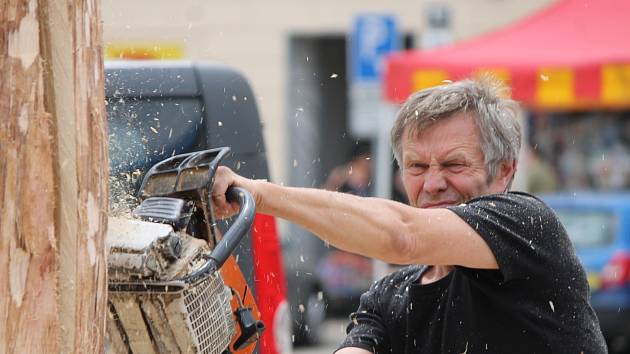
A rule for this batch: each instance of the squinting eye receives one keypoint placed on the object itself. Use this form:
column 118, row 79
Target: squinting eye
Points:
column 456, row 167
column 416, row 168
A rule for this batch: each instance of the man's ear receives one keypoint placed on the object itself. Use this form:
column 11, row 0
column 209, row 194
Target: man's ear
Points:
column 507, row 173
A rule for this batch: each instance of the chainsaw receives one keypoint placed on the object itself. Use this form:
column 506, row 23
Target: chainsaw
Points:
column 167, row 293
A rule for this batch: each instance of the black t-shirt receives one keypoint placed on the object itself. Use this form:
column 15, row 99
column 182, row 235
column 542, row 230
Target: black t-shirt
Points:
column 537, row 302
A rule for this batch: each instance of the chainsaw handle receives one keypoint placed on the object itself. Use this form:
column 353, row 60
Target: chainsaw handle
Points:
column 233, row 236
column 240, row 226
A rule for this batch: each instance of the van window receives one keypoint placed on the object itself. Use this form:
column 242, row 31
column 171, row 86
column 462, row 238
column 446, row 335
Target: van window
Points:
column 588, row 228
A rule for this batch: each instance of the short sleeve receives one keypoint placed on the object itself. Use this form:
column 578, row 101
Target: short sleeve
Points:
column 523, row 233
column 367, row 328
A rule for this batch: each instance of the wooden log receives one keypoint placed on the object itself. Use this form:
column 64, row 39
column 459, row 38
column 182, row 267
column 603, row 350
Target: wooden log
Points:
column 53, row 177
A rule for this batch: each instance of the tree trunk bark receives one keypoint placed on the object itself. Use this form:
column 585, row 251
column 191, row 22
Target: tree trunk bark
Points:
column 53, row 177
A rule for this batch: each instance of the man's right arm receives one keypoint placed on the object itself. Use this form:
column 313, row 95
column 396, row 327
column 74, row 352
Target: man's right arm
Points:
column 372, row 227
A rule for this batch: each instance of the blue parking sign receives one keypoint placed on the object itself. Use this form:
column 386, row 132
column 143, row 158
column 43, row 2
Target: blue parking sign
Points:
column 373, row 37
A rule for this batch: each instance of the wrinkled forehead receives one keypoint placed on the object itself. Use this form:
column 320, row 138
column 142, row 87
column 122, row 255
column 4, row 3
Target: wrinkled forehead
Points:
column 444, row 138
column 414, row 127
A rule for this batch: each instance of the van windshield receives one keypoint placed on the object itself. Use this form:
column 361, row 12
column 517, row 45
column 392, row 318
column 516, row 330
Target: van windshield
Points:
column 588, row 228
column 146, row 130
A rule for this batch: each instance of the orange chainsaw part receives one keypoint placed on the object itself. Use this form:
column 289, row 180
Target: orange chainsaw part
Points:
column 233, row 277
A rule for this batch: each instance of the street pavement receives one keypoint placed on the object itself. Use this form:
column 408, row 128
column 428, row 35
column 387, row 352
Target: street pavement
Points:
column 333, row 332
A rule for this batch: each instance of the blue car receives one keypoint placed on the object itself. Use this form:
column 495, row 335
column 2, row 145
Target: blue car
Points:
column 599, row 226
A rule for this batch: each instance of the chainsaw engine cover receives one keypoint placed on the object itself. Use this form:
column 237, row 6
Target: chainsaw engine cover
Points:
column 145, row 250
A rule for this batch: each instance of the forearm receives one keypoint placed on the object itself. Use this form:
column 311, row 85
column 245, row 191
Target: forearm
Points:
column 367, row 226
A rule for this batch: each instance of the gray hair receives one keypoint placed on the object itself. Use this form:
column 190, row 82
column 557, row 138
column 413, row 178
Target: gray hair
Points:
column 495, row 115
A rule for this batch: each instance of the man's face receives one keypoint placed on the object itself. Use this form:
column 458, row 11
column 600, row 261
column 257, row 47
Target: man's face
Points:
column 444, row 165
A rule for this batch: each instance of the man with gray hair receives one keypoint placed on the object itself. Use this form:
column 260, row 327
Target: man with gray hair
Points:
column 490, row 270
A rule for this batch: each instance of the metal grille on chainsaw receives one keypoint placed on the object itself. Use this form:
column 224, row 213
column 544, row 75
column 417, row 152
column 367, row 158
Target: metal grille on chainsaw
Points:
column 209, row 313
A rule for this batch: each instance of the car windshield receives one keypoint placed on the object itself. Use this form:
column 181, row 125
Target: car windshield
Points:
column 588, row 228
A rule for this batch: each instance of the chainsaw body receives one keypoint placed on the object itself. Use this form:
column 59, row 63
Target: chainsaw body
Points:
column 166, row 291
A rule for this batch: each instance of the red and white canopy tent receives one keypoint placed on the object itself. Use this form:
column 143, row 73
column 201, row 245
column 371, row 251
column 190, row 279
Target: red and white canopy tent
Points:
column 575, row 54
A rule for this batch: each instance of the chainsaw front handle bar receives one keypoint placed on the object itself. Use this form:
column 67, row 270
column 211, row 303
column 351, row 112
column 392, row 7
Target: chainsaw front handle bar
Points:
column 233, row 236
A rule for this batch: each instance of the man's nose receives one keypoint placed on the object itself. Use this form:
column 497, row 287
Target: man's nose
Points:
column 434, row 181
